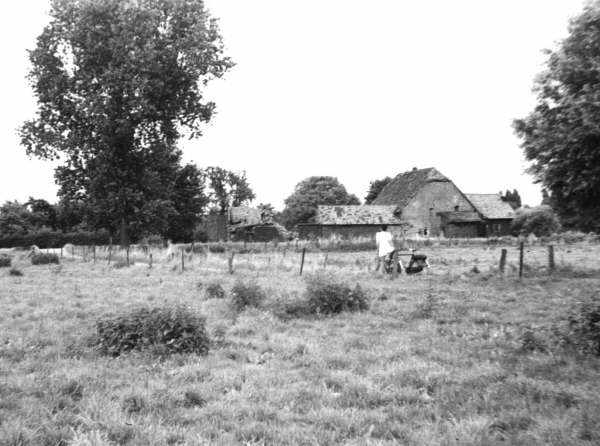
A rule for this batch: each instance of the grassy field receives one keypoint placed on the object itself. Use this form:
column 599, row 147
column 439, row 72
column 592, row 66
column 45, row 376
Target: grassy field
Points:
column 438, row 359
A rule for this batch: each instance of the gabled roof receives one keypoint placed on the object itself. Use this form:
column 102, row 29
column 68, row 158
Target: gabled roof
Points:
column 460, row 216
column 356, row 215
column 405, row 186
column 491, row 206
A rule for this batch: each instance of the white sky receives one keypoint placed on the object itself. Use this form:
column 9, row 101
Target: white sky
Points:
column 353, row 89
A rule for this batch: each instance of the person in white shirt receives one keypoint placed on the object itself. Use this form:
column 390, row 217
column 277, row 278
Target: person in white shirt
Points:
column 385, row 245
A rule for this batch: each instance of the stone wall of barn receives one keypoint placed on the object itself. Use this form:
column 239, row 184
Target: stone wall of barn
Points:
column 498, row 227
column 438, row 196
column 463, row 230
column 311, row 231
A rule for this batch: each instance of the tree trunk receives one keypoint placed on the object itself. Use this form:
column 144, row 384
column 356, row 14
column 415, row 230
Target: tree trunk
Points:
column 123, row 234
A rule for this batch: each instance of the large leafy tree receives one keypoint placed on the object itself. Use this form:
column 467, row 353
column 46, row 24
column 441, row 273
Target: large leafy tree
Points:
column 375, row 187
column 301, row 206
column 561, row 136
column 118, row 82
column 227, row 189
column 189, row 201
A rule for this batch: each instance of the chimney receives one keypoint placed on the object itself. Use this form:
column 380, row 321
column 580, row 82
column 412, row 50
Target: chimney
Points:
column 415, row 169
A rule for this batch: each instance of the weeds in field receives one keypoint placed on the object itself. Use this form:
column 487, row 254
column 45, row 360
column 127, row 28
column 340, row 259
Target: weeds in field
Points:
column 15, row 272
column 246, row 294
column 214, row 290
column 163, row 330
column 5, row 261
column 43, row 258
column 327, row 295
column 428, row 308
column 583, row 326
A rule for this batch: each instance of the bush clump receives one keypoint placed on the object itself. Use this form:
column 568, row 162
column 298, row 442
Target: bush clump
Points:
column 214, row 290
column 15, row 272
column 5, row 261
column 244, row 295
column 43, row 258
column 162, row 330
column 540, row 220
column 583, row 326
column 326, row 295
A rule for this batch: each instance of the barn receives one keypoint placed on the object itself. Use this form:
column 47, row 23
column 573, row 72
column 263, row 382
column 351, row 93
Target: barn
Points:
column 351, row 221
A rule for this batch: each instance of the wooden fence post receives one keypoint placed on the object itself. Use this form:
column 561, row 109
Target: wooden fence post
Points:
column 502, row 260
column 182, row 262
column 521, row 248
column 94, row 251
column 230, row 262
column 394, row 264
column 127, row 253
column 325, row 260
column 302, row 260
column 150, row 265
column 61, row 252
column 109, row 249
column 551, row 264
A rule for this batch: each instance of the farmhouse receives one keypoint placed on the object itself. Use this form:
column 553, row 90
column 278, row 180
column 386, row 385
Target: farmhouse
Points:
column 420, row 195
column 419, row 202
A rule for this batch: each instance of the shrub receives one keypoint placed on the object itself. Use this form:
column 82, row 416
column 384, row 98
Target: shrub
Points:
column 44, row 259
column 15, row 272
column 245, row 295
column 583, row 326
column 5, row 261
column 163, row 330
column 325, row 295
column 539, row 220
column 217, row 249
column 200, row 236
column 214, row 290
column 51, row 239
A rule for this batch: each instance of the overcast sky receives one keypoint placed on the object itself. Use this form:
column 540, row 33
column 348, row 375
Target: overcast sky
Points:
column 359, row 90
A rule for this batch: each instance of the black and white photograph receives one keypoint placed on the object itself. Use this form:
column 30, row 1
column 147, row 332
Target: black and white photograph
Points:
column 300, row 223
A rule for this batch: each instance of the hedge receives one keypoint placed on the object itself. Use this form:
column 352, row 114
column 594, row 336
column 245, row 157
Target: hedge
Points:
column 50, row 239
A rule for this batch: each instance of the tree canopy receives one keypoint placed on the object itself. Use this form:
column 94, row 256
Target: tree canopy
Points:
column 375, row 187
column 301, row 206
column 561, row 136
column 227, row 189
column 118, row 82
column 513, row 198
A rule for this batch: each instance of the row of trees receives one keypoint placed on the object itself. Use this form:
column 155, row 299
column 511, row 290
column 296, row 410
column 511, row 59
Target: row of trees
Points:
column 190, row 194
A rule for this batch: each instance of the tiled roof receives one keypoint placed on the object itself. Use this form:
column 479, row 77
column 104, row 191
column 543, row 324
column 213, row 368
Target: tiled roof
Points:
column 356, row 215
column 460, row 216
column 405, row 186
column 491, row 206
